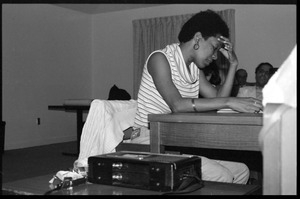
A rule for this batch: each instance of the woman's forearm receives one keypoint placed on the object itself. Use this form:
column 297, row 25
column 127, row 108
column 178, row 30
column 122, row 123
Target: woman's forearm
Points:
column 200, row 104
column 225, row 89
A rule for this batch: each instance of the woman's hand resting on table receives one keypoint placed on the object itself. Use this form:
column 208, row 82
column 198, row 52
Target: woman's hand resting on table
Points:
column 245, row 104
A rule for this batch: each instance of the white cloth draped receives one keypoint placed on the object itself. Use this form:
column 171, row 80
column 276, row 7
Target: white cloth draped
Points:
column 282, row 87
column 104, row 126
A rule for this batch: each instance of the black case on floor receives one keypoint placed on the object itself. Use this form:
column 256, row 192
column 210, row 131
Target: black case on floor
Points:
column 143, row 170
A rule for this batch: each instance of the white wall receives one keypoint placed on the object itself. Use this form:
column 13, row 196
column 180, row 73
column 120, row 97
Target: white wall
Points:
column 263, row 33
column 46, row 59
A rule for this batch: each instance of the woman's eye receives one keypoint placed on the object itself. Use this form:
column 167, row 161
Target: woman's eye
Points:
column 215, row 49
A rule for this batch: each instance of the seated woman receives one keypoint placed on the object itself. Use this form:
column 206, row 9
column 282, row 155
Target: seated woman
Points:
column 173, row 78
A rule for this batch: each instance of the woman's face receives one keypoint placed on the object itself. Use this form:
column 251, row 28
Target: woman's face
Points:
column 207, row 52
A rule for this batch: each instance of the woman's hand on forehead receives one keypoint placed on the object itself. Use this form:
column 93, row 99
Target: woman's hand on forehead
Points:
column 225, row 43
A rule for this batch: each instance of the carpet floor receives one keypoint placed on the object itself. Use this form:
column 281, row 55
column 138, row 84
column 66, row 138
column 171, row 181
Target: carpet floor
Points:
column 49, row 159
column 35, row 161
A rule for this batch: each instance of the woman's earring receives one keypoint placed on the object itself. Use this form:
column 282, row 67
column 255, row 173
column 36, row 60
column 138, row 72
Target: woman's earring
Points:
column 196, row 46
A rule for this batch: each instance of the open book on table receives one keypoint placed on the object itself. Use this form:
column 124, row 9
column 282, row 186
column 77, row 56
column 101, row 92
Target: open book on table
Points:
column 229, row 110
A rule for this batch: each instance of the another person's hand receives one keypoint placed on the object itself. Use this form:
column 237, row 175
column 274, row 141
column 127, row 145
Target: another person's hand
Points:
column 227, row 50
column 246, row 104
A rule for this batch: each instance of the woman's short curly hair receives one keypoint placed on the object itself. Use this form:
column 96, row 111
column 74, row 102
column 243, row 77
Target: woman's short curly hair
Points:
column 208, row 22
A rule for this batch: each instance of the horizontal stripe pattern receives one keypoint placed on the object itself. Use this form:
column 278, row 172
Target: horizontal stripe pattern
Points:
column 150, row 101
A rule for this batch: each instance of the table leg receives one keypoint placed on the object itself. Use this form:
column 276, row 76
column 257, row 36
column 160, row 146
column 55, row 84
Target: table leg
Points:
column 79, row 128
column 79, row 118
column 155, row 145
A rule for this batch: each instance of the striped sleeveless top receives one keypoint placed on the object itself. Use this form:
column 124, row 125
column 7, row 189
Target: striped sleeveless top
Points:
column 150, row 101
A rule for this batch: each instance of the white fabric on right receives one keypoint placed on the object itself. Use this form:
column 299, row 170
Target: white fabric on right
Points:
column 281, row 88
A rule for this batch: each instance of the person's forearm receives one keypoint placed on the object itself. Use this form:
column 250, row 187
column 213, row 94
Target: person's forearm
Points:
column 201, row 104
column 209, row 104
column 225, row 89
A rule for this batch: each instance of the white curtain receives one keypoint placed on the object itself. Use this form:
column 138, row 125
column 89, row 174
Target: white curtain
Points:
column 155, row 33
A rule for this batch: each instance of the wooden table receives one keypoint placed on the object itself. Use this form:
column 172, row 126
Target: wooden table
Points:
column 40, row 185
column 79, row 109
column 234, row 131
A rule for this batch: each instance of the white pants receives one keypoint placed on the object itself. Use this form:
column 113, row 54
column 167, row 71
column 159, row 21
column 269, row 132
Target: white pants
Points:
column 224, row 171
column 212, row 170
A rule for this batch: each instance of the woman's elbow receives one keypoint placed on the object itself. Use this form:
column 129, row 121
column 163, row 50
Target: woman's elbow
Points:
column 175, row 110
column 176, row 107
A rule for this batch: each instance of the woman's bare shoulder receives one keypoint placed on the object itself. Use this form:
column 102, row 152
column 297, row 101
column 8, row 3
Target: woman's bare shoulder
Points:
column 158, row 61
